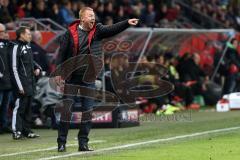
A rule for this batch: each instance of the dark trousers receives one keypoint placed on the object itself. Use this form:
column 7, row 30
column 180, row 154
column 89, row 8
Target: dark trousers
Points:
column 86, row 120
column 184, row 92
column 4, row 104
column 230, row 83
column 22, row 115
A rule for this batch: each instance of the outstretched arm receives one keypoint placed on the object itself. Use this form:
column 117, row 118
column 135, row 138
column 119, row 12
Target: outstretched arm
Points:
column 105, row 31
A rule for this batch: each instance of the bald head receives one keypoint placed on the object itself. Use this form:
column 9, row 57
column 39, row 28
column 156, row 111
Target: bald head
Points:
column 4, row 3
column 37, row 37
column 2, row 27
column 3, row 33
column 87, row 18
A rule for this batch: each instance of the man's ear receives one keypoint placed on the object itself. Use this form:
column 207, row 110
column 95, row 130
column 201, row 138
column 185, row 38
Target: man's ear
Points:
column 82, row 20
column 20, row 36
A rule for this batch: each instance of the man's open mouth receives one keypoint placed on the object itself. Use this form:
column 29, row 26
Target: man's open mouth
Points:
column 92, row 23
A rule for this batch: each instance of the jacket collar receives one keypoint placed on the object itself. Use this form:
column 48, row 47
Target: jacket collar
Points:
column 22, row 42
column 4, row 40
column 74, row 32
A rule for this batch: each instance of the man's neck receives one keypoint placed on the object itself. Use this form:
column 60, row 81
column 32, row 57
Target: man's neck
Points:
column 23, row 41
column 83, row 28
column 20, row 39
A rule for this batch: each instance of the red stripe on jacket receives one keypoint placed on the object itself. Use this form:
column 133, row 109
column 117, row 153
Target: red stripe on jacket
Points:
column 73, row 28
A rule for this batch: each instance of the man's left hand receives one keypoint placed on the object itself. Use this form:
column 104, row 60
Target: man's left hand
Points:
column 37, row 72
column 133, row 22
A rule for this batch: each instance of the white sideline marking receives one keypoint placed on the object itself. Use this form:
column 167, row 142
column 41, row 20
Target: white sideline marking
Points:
column 141, row 143
column 46, row 149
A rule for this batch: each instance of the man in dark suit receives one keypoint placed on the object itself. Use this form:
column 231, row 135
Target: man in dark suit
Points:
column 5, row 83
column 84, row 37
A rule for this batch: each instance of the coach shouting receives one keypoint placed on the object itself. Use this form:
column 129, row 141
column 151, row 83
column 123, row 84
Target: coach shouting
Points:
column 83, row 37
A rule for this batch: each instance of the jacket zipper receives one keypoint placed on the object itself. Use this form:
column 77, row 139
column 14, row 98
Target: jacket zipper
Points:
column 2, row 63
column 24, row 68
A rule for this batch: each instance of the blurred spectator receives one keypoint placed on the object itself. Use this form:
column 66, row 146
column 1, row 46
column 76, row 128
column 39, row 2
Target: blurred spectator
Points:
column 182, row 92
column 100, row 13
column 163, row 12
column 120, row 16
column 81, row 5
column 193, row 70
column 3, row 32
column 149, row 16
column 160, row 59
column 5, row 87
column 39, row 11
column 173, row 12
column 137, row 9
column 127, row 7
column 53, row 12
column 94, row 5
column 28, row 8
column 108, row 10
column 233, row 66
column 191, row 75
column 66, row 14
column 21, row 9
column 5, row 16
column 75, row 9
column 39, row 54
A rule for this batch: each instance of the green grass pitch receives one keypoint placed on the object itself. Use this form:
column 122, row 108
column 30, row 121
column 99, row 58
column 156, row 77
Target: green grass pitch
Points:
column 213, row 146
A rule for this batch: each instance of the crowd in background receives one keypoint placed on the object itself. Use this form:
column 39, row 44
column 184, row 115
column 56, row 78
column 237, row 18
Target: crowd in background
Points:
column 157, row 13
column 224, row 11
column 151, row 13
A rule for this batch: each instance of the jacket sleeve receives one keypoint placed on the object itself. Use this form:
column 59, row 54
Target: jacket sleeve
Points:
column 14, row 67
column 105, row 31
column 64, row 46
column 1, row 66
column 36, row 65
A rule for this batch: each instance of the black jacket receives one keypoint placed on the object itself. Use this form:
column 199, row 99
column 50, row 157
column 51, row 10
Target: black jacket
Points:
column 5, row 82
column 189, row 71
column 40, row 56
column 233, row 57
column 67, row 47
column 23, row 67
